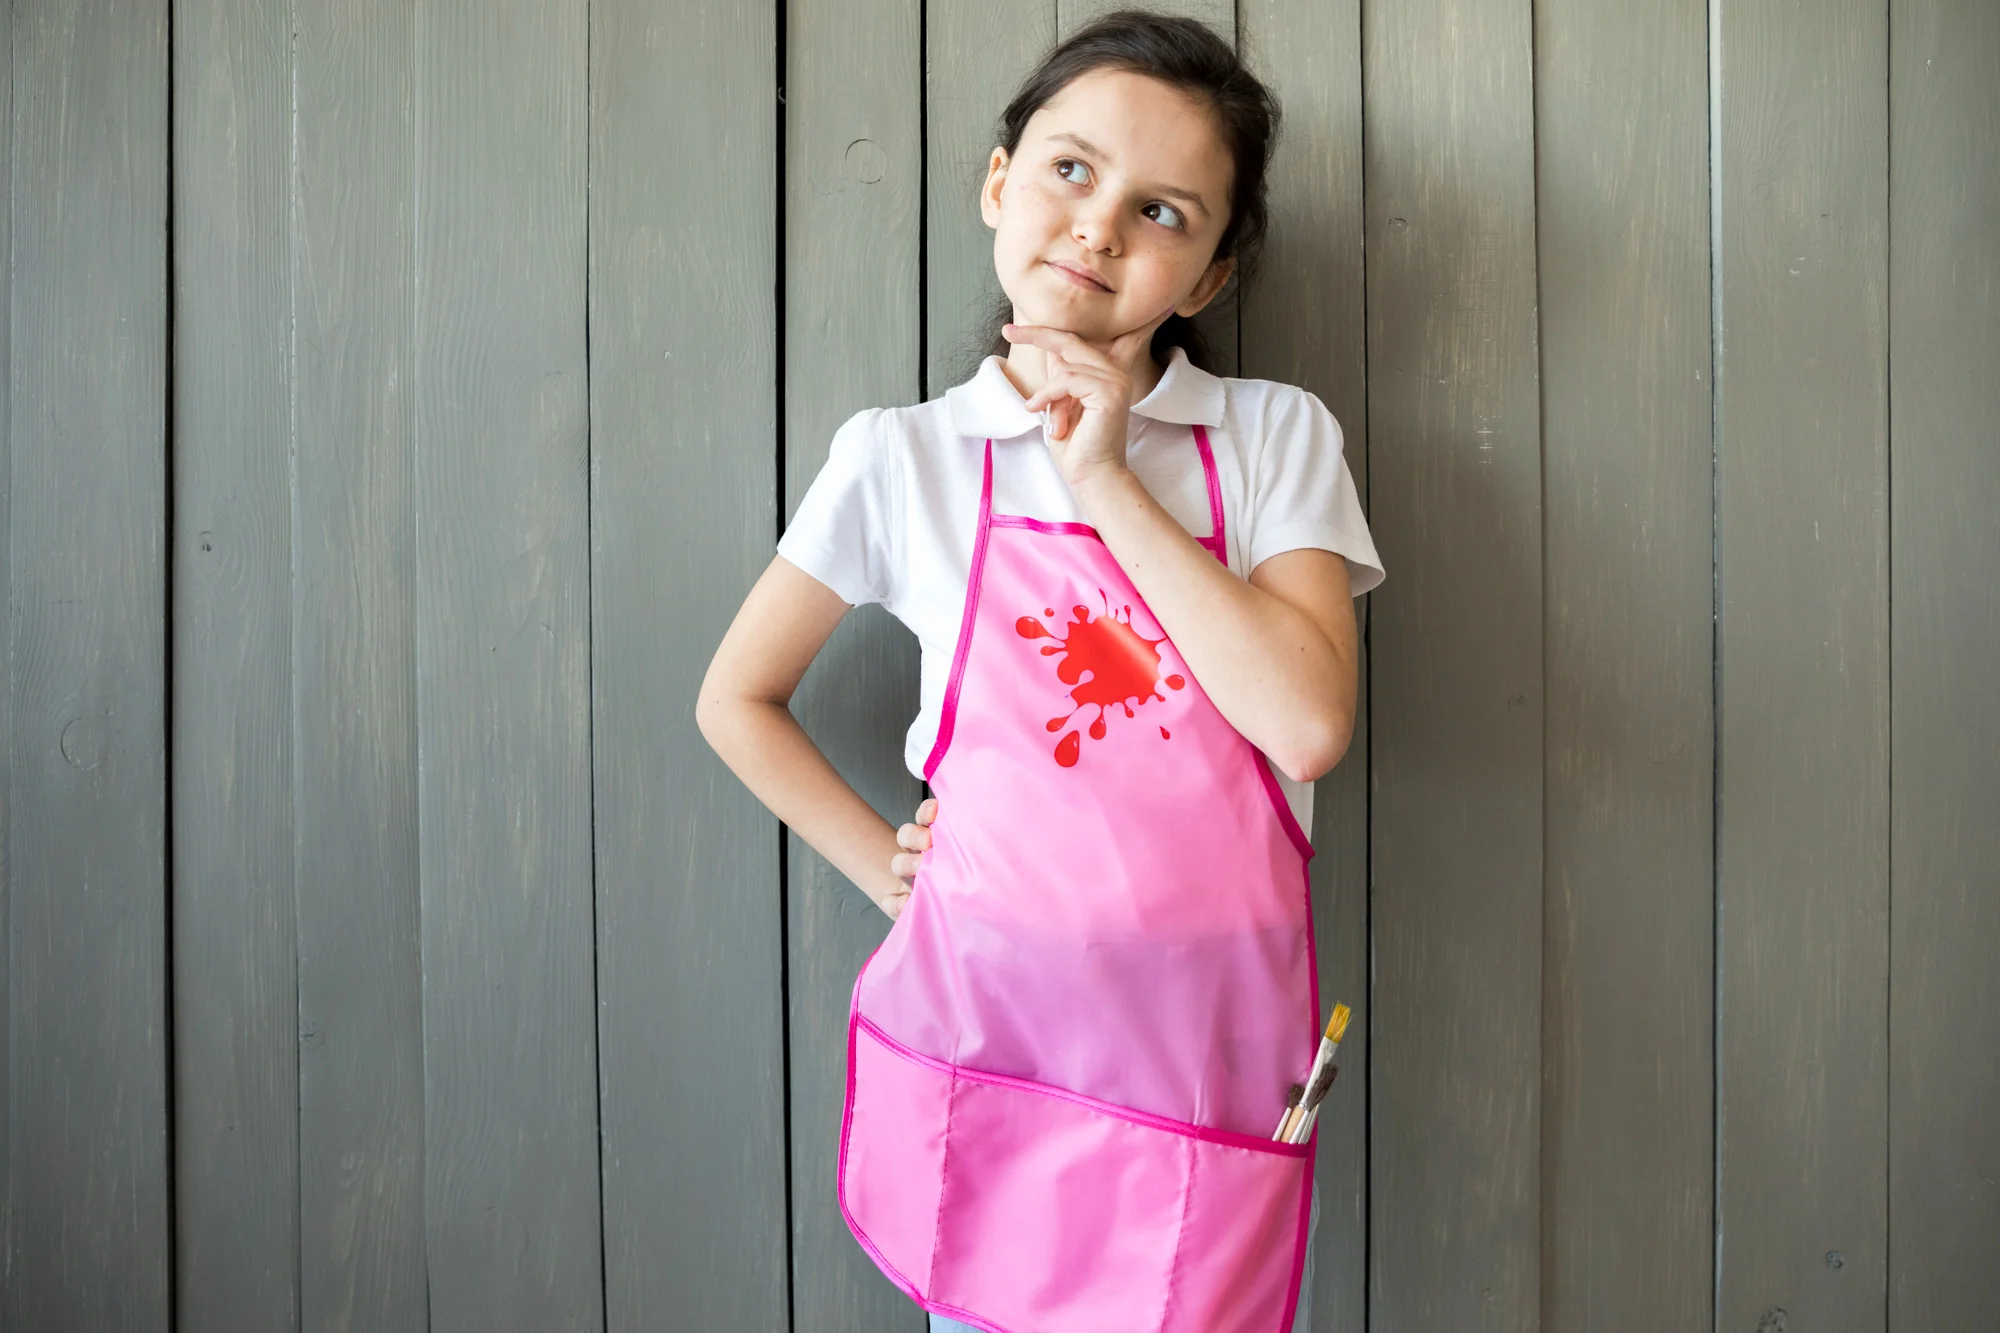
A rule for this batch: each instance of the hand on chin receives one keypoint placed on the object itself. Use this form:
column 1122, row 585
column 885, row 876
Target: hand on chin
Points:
column 1086, row 394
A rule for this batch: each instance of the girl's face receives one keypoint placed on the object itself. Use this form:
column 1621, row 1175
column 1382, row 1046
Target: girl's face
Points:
column 1107, row 214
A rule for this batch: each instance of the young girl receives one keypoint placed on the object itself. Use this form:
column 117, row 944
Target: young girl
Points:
column 1132, row 584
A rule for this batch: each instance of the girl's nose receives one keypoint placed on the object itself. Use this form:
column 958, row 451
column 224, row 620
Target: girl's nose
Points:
column 1096, row 229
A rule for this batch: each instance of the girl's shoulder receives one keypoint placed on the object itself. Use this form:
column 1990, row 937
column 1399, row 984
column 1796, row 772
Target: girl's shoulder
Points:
column 892, row 435
column 1274, row 407
column 917, row 443
column 1254, row 413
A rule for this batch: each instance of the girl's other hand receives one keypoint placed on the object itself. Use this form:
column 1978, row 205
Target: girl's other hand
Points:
column 915, row 839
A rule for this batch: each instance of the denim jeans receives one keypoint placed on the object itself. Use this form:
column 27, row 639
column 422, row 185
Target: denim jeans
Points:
column 1301, row 1322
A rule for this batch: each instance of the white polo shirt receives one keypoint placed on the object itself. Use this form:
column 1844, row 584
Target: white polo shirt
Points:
column 892, row 515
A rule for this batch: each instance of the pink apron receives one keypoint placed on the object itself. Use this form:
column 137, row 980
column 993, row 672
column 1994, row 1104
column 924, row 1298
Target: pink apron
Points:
column 1066, row 1060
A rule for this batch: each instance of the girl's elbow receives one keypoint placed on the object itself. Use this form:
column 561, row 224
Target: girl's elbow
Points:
column 1320, row 750
column 708, row 711
column 717, row 715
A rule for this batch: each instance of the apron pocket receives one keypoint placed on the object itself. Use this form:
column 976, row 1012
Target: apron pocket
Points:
column 1025, row 1208
column 892, row 1158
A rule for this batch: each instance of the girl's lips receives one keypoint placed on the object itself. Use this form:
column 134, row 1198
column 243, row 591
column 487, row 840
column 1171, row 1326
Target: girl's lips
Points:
column 1081, row 277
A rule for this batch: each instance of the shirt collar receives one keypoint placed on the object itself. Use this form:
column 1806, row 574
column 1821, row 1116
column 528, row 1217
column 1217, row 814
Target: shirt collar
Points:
column 988, row 404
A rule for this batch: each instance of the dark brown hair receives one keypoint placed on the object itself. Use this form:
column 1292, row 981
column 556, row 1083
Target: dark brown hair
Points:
column 1185, row 54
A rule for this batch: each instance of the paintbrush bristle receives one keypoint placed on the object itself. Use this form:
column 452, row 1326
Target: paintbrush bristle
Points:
column 1336, row 1026
column 1322, row 1081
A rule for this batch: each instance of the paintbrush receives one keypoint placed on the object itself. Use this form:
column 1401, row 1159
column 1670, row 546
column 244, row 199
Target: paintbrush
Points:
column 1324, row 1070
column 1298, row 1090
column 1302, row 1130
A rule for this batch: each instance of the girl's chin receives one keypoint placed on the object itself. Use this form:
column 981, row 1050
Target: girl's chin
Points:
column 1073, row 317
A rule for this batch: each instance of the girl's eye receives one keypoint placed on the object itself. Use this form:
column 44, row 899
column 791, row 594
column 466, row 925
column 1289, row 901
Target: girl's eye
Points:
column 1172, row 216
column 1063, row 164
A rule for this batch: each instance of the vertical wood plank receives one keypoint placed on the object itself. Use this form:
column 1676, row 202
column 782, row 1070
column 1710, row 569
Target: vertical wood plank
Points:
column 1217, row 14
column 1219, row 322
column 684, row 449
column 362, row 1247
column 1944, row 1001
column 88, row 1243
column 854, row 157
column 1803, row 624
column 1454, row 436
column 1628, row 942
column 235, row 936
column 503, row 684
column 6, row 635
column 978, row 54
column 1305, row 325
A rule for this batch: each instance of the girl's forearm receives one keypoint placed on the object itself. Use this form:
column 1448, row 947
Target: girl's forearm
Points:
column 1265, row 665
column 763, row 743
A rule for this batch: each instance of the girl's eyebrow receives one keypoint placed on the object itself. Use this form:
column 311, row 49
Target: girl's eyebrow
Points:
column 1171, row 191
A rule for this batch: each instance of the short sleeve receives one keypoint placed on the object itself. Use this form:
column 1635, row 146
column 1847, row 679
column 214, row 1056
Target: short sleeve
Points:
column 846, row 530
column 1303, row 493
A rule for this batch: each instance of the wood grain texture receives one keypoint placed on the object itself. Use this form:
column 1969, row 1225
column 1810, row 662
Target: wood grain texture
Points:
column 979, row 52
column 1944, row 999
column 503, row 668
column 1304, row 324
column 1217, row 14
column 6, row 634
column 684, row 447
column 1628, row 942
column 363, row 1253
column 854, row 158
column 1456, row 711
column 1803, row 627
column 87, row 1242
column 235, row 935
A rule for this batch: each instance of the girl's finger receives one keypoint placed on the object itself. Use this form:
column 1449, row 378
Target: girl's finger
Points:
column 1067, row 414
column 1125, row 344
column 927, row 810
column 1060, row 341
column 1070, row 382
column 913, row 837
column 1059, row 384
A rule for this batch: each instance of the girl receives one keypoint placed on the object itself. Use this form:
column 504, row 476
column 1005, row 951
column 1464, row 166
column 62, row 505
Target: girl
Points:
column 1132, row 585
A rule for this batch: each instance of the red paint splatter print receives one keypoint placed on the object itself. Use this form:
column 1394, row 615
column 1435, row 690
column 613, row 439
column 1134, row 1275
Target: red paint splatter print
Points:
column 1105, row 662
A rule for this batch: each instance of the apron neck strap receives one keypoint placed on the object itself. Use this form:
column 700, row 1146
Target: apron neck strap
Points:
column 1217, row 540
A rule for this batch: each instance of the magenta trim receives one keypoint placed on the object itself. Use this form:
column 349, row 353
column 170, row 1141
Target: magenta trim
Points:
column 1281, row 806
column 962, row 1316
column 889, row 1270
column 1216, row 541
column 855, row 1022
column 1311, row 1144
column 948, row 718
column 1205, row 1133
column 1305, row 1238
column 908, row 1287
column 1312, row 957
column 1062, row 528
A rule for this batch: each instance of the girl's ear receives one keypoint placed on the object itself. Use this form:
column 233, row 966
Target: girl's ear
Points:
column 1205, row 290
column 989, row 193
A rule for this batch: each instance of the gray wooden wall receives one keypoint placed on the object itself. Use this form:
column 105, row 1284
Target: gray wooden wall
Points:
column 397, row 400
